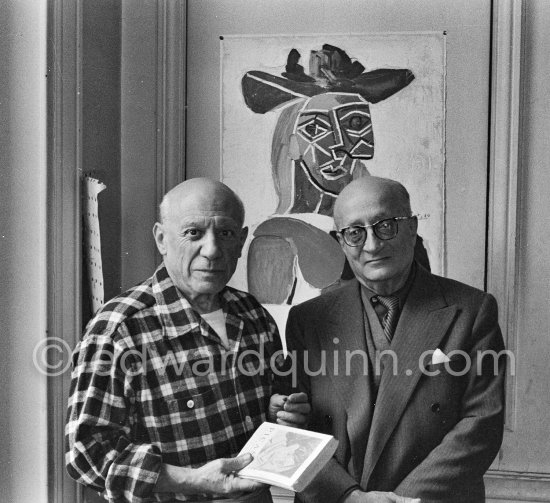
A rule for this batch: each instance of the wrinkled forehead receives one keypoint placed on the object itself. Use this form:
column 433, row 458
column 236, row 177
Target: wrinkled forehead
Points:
column 204, row 205
column 330, row 101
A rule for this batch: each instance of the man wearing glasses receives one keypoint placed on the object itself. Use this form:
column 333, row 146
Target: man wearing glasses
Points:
column 396, row 365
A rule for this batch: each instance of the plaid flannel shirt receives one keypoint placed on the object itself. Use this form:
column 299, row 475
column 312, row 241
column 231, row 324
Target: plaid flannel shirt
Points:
column 153, row 384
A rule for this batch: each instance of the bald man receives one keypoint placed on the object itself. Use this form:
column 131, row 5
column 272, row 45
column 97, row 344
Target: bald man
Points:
column 403, row 367
column 172, row 377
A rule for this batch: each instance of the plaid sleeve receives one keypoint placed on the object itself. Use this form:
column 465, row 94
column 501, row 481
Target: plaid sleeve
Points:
column 99, row 450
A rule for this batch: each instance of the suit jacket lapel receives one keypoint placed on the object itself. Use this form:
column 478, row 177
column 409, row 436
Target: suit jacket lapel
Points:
column 345, row 331
column 423, row 323
column 346, row 326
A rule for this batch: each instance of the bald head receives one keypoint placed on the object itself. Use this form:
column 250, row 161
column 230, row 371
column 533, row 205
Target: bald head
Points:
column 369, row 189
column 199, row 191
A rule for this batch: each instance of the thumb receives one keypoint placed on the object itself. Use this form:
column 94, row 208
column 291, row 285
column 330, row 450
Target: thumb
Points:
column 278, row 400
column 238, row 463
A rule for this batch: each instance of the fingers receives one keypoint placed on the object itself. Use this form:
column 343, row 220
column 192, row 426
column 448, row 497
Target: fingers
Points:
column 237, row 484
column 297, row 402
column 297, row 397
column 278, row 401
column 294, row 419
column 292, row 410
column 276, row 404
column 235, row 464
column 234, row 483
column 295, row 411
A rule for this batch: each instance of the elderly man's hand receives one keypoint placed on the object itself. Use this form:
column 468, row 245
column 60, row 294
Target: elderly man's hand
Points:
column 216, row 478
column 291, row 410
column 378, row 497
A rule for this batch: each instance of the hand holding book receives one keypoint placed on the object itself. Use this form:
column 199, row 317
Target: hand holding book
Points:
column 286, row 457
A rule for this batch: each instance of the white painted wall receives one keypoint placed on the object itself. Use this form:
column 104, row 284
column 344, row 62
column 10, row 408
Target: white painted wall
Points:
column 23, row 449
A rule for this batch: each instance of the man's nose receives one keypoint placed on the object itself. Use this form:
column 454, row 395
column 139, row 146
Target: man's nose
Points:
column 210, row 245
column 372, row 242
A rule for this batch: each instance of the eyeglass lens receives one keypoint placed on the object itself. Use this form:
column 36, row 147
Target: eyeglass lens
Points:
column 385, row 229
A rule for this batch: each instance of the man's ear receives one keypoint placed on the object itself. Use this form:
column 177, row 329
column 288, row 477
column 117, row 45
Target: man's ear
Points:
column 160, row 237
column 242, row 239
column 340, row 239
column 414, row 225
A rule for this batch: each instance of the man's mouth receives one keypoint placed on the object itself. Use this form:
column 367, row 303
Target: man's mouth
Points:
column 377, row 260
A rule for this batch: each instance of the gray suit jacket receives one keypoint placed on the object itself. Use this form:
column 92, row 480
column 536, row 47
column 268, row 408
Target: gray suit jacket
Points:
column 429, row 436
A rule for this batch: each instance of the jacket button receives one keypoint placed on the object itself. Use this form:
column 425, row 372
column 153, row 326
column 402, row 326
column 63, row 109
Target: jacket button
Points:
column 435, row 407
column 328, row 419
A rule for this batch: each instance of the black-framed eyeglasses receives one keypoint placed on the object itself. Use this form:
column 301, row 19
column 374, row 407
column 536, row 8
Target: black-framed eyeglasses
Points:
column 384, row 229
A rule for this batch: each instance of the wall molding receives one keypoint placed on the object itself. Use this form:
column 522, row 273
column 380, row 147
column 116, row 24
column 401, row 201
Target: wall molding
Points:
column 504, row 486
column 502, row 238
column 171, row 95
column 63, row 220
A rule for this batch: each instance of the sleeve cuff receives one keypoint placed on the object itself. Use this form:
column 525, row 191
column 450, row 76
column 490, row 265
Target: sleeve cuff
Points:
column 134, row 474
column 348, row 492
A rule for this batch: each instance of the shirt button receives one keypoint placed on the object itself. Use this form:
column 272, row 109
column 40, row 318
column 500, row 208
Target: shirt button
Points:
column 435, row 408
column 190, row 404
column 248, row 420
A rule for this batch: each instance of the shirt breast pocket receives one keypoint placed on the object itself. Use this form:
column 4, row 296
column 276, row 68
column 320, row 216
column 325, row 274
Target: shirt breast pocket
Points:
column 190, row 403
column 187, row 420
column 167, row 412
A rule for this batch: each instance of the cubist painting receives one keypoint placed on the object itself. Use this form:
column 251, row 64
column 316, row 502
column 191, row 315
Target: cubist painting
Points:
column 293, row 138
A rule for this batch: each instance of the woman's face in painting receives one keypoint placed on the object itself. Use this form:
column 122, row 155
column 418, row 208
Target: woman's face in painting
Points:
column 334, row 136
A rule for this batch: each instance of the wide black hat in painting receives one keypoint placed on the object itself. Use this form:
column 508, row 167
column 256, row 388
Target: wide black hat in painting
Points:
column 330, row 70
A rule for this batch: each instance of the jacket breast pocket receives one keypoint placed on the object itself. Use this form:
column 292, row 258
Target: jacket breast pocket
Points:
column 458, row 365
column 441, row 391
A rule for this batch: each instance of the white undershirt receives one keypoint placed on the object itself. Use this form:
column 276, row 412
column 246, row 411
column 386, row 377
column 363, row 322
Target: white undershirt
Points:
column 216, row 319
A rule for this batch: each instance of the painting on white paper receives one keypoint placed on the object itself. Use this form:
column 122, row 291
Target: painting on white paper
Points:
column 301, row 117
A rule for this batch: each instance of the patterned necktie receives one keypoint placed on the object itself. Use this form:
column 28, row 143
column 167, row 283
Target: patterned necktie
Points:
column 389, row 322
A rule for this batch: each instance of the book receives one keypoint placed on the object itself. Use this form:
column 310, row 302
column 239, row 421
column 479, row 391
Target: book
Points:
column 287, row 457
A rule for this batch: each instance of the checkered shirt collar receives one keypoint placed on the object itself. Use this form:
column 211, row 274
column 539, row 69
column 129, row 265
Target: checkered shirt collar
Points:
column 175, row 312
